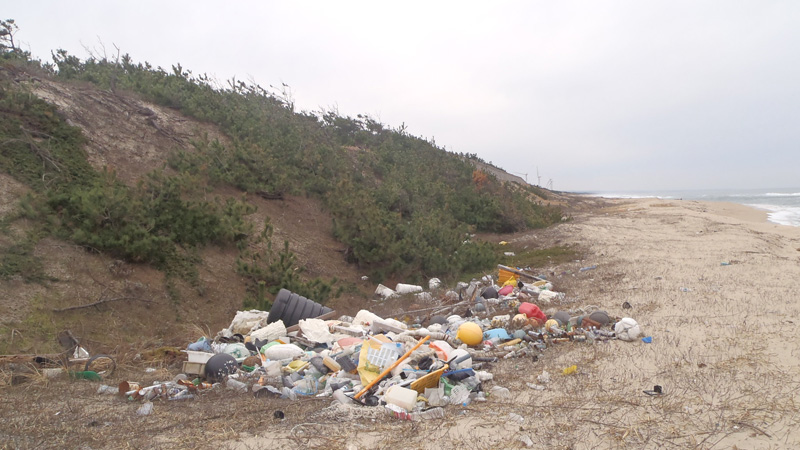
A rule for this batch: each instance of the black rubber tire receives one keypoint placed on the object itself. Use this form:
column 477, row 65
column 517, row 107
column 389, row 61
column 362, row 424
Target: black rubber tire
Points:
column 308, row 311
column 291, row 309
column 316, row 311
column 278, row 306
column 302, row 305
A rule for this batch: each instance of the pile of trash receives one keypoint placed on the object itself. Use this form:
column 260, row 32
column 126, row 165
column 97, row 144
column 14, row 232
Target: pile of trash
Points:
column 413, row 370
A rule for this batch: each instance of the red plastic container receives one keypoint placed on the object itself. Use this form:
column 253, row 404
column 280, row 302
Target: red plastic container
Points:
column 506, row 290
column 532, row 311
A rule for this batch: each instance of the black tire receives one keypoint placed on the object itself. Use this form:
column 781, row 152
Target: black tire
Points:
column 307, row 312
column 316, row 311
column 278, row 306
column 291, row 309
column 302, row 305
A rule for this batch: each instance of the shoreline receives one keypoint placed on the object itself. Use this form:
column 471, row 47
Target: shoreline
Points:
column 768, row 209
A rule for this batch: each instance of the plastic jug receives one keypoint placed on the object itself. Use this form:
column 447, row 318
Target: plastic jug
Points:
column 532, row 311
column 457, row 355
column 273, row 368
column 402, row 397
column 442, row 349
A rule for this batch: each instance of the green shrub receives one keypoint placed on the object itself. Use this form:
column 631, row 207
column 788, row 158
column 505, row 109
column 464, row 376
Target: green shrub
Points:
column 400, row 204
column 268, row 272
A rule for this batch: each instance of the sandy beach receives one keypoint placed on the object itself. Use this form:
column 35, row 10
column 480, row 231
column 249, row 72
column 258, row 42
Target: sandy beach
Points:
column 713, row 284
column 716, row 287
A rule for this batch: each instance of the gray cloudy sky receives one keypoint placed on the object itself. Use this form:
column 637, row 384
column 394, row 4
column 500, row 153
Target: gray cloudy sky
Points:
column 599, row 95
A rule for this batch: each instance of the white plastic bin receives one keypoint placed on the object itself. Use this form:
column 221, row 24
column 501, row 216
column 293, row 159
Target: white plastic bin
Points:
column 198, row 357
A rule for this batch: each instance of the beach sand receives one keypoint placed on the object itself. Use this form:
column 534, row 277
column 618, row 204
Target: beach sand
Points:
column 714, row 285
column 717, row 287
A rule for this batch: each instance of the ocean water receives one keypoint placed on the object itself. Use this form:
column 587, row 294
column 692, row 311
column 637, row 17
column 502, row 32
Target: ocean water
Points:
column 782, row 205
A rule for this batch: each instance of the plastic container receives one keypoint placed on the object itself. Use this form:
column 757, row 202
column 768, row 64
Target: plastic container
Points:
column 307, row 386
column 108, row 390
column 272, row 368
column 532, row 311
column 505, row 290
column 457, row 354
column 402, row 397
column 470, row 333
column 198, row 357
column 383, row 357
column 459, row 395
column 442, row 349
column 145, row 409
column 402, row 288
column 235, row 385
column 433, row 413
column 331, row 364
column 341, row 398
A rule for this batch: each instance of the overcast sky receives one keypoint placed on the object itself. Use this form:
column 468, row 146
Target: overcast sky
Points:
column 598, row 95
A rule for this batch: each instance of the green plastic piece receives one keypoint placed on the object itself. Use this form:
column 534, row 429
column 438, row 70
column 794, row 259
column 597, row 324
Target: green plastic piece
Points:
column 86, row 375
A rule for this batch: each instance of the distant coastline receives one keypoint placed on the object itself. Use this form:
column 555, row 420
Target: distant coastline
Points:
column 782, row 205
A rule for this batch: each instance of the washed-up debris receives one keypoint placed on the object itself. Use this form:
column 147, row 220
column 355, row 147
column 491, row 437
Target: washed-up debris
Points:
column 570, row 370
column 627, row 329
column 657, row 390
column 415, row 370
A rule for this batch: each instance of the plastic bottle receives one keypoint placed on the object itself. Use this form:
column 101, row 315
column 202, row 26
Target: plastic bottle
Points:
column 288, row 393
column 145, row 409
column 458, row 395
column 433, row 413
column 307, row 386
column 109, row 390
column 500, row 392
column 340, row 397
column 236, row 385
column 470, row 383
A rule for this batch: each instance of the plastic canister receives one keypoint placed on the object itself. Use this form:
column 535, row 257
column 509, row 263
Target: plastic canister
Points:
column 273, row 368
column 442, row 349
column 505, row 290
column 402, row 397
column 532, row 311
column 457, row 354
